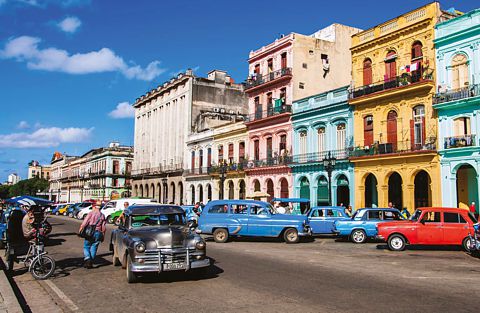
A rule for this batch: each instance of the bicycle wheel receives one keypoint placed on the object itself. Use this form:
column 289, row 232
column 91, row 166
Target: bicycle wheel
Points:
column 42, row 267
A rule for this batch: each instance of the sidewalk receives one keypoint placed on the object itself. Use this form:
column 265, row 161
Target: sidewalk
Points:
column 8, row 301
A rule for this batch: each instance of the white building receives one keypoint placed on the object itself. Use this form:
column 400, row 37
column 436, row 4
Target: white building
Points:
column 13, row 179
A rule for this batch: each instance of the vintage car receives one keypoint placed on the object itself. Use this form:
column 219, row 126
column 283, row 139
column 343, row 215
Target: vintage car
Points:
column 155, row 238
column 192, row 217
column 429, row 226
column 230, row 218
column 363, row 223
column 322, row 218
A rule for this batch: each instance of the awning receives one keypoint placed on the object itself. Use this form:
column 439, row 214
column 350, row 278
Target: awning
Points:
column 29, row 200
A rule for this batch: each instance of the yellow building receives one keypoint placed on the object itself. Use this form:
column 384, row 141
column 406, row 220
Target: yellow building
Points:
column 395, row 137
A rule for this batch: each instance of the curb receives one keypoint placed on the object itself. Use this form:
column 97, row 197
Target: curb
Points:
column 9, row 300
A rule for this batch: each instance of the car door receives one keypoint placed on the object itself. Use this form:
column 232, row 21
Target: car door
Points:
column 259, row 221
column 317, row 220
column 455, row 228
column 430, row 228
column 239, row 214
column 373, row 217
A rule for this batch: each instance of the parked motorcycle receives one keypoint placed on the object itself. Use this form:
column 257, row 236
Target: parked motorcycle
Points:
column 473, row 242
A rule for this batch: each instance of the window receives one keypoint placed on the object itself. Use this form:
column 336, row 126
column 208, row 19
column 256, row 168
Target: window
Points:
column 283, row 144
column 230, row 153
column 459, row 71
column 416, row 66
column 321, row 139
column 270, row 65
column 258, row 210
column 317, row 213
column 391, row 216
column 367, row 72
column 192, row 164
column 390, row 66
column 418, row 126
column 239, row 209
column 301, row 85
column 431, row 217
column 256, row 150
column 241, row 151
column 116, row 167
column 304, row 65
column 283, row 61
column 257, row 69
column 258, row 108
column 374, row 215
column 303, row 142
column 269, row 104
column 220, row 154
column 283, row 96
column 453, row 218
column 461, row 126
column 222, row 209
column 128, row 167
column 368, row 130
column 341, row 136
column 200, row 159
column 269, row 148
column 209, row 157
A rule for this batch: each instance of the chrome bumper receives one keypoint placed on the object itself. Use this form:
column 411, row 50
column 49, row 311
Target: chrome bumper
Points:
column 137, row 267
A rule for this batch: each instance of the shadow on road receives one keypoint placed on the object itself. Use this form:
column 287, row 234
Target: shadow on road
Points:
column 178, row 276
column 62, row 234
column 65, row 266
column 261, row 239
column 424, row 248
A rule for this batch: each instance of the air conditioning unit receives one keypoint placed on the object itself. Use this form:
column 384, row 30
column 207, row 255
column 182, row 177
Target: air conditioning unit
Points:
column 222, row 110
column 231, row 112
column 216, row 110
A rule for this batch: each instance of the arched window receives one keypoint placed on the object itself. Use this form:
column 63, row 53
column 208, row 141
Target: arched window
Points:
column 368, row 130
column 367, row 72
column 417, row 127
column 303, row 141
column 341, row 136
column 416, row 62
column 392, row 129
column 321, row 139
column 459, row 71
column 390, row 66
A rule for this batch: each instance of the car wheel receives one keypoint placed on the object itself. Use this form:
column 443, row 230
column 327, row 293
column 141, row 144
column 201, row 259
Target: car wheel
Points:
column 109, row 219
column 56, row 213
column 115, row 219
column 115, row 259
column 466, row 244
column 131, row 276
column 397, row 242
column 291, row 235
column 220, row 235
column 358, row 236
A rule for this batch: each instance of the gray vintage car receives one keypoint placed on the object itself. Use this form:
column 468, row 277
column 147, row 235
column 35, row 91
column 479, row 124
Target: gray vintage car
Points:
column 155, row 238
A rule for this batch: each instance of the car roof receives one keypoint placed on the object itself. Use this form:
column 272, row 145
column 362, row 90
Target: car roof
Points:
column 328, row 207
column 382, row 209
column 153, row 209
column 443, row 209
column 222, row 202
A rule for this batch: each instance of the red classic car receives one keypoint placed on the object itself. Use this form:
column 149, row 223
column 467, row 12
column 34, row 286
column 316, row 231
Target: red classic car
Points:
column 429, row 226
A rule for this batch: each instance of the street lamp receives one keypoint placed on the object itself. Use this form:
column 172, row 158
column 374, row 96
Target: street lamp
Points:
column 223, row 171
column 329, row 165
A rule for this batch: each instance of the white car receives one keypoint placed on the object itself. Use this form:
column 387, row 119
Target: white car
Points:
column 118, row 205
column 83, row 212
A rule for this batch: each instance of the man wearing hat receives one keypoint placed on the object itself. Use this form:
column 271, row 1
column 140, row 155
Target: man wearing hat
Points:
column 90, row 247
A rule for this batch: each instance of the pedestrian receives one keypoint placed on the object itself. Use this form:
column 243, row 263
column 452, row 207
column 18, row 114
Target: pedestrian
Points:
column 196, row 208
column 405, row 213
column 121, row 218
column 90, row 246
column 349, row 210
column 390, row 205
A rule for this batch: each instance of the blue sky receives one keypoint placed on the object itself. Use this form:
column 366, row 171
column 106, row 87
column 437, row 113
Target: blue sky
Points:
column 65, row 65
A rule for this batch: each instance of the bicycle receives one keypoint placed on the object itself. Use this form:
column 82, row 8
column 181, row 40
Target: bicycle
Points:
column 39, row 264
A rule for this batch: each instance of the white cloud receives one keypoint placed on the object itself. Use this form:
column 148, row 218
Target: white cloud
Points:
column 45, row 137
column 70, row 24
column 123, row 110
column 25, row 49
column 2, row 2
column 23, row 125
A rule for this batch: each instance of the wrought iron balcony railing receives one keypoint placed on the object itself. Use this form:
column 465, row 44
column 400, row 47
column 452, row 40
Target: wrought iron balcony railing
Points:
column 457, row 94
column 459, row 141
column 391, row 83
column 260, row 80
column 269, row 162
column 271, row 111
column 319, row 156
column 158, row 170
column 393, row 148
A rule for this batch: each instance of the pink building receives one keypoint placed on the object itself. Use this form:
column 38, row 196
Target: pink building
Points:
column 292, row 67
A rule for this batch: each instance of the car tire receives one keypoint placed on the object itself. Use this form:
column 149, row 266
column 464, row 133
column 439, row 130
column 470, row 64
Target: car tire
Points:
column 70, row 215
column 358, row 236
column 131, row 276
column 115, row 259
column 396, row 242
column 290, row 235
column 56, row 213
column 220, row 235
column 466, row 244
column 109, row 219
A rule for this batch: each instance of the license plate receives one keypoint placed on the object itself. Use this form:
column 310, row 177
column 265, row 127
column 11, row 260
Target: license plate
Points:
column 174, row 266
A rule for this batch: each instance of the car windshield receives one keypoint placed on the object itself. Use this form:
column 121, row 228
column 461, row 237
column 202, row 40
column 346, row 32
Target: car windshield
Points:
column 157, row 220
column 416, row 215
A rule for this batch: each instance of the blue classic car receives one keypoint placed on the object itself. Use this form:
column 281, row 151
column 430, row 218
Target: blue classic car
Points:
column 192, row 217
column 363, row 223
column 322, row 219
column 229, row 218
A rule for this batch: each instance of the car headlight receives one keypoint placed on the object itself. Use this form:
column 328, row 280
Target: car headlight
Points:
column 140, row 247
column 200, row 245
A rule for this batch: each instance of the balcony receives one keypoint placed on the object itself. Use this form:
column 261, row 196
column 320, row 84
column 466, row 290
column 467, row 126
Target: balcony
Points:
column 269, row 162
column 319, row 156
column 258, row 80
column 405, row 79
column 271, row 111
column 160, row 170
column 400, row 147
column 197, row 171
column 459, row 141
column 457, row 94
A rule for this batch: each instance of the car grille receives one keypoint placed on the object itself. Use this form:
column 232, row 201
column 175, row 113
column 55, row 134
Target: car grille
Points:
column 166, row 255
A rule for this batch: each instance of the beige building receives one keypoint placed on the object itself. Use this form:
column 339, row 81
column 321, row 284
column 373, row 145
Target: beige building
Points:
column 37, row 170
column 166, row 116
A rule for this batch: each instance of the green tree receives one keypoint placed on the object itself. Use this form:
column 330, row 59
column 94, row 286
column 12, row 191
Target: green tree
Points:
column 28, row 187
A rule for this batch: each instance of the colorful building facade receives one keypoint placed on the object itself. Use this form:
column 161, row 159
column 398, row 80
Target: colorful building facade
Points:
column 292, row 67
column 395, row 127
column 323, row 127
column 457, row 102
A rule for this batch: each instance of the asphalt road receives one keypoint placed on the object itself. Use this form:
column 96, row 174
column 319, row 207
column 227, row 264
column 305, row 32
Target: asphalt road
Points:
column 325, row 275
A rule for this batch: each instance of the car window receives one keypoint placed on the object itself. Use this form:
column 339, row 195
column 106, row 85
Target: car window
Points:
column 449, row 217
column 374, row 215
column 157, row 220
column 472, row 217
column 317, row 213
column 258, row 210
column 431, row 217
column 239, row 209
column 220, row 208
column 391, row 216
column 110, row 205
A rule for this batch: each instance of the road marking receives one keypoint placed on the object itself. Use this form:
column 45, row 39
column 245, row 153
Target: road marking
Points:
column 62, row 296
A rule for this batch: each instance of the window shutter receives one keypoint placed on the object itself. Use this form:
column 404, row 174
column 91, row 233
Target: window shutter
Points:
column 412, row 134
column 424, row 137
